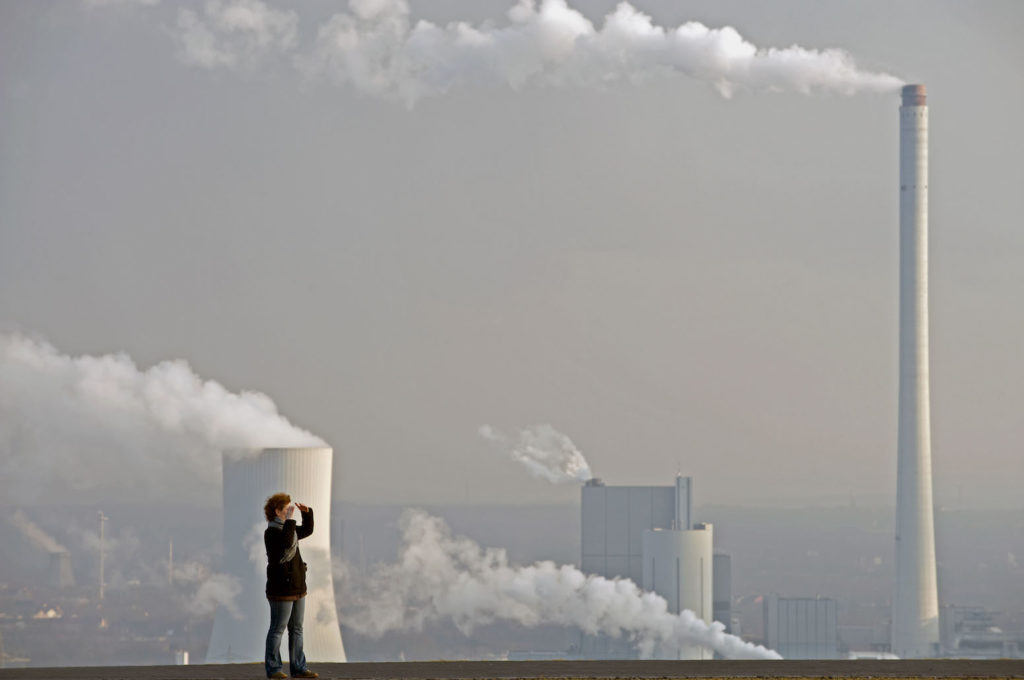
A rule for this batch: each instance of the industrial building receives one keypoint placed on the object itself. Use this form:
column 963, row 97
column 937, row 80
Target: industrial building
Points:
column 721, row 597
column 240, row 626
column 802, row 627
column 677, row 566
column 647, row 534
column 613, row 522
column 59, row 574
column 975, row 632
column 866, row 641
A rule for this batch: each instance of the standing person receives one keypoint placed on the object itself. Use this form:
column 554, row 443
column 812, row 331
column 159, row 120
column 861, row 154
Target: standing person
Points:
column 286, row 584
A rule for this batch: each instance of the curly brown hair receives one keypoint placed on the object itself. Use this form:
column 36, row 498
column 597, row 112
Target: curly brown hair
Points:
column 275, row 503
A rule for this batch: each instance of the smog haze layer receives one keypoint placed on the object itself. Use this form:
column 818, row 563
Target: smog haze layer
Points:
column 675, row 278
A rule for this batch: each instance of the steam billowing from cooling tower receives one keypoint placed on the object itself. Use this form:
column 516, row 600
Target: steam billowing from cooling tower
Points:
column 216, row 590
column 441, row 576
column 378, row 49
column 91, row 424
column 35, row 533
column 544, row 451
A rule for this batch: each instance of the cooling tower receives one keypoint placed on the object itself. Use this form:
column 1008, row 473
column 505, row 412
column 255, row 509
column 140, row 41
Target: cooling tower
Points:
column 915, row 607
column 240, row 627
column 677, row 566
column 59, row 571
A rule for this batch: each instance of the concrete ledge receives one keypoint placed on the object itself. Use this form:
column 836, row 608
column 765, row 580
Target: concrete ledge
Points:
column 474, row 670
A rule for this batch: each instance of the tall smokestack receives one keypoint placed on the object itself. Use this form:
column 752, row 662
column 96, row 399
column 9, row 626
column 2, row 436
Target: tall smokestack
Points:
column 103, row 524
column 915, row 608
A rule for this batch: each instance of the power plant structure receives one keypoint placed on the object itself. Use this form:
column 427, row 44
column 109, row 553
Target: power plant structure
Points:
column 613, row 522
column 678, row 566
column 802, row 627
column 915, row 605
column 647, row 534
column 240, row 626
column 59, row 574
column 721, row 579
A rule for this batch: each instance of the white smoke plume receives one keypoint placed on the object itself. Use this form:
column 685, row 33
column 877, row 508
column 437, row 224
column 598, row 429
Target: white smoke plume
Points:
column 88, row 424
column 234, row 34
column 105, row 3
column 544, row 451
column 378, row 49
column 441, row 576
column 35, row 533
column 216, row 590
column 254, row 546
column 207, row 589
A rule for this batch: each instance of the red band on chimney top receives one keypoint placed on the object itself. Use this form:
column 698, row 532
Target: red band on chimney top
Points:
column 914, row 95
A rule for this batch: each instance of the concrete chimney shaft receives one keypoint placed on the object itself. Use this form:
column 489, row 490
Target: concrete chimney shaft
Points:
column 915, row 608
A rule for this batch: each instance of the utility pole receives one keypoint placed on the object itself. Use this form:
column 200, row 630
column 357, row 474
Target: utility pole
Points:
column 103, row 521
column 170, row 562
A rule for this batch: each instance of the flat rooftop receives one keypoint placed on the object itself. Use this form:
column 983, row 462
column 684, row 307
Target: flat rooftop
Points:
column 473, row 670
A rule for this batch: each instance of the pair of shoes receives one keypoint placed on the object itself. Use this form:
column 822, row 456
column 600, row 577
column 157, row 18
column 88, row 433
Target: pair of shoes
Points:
column 278, row 675
column 306, row 674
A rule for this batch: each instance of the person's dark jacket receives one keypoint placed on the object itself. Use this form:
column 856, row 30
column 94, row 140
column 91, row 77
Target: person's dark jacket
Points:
column 286, row 580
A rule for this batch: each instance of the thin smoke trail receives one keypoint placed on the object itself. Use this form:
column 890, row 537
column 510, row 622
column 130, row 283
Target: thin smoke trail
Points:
column 544, row 451
column 35, row 533
column 439, row 576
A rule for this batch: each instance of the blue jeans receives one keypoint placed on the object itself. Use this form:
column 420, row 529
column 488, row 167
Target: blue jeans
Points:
column 286, row 615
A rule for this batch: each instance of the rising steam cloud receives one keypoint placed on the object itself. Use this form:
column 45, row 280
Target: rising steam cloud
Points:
column 216, row 590
column 544, row 451
column 99, row 423
column 439, row 576
column 377, row 48
column 35, row 533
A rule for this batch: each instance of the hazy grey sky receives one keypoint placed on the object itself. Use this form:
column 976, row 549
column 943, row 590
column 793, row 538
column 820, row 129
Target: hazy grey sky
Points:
column 672, row 278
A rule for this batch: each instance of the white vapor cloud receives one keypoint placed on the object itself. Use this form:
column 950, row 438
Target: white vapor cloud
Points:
column 235, row 33
column 92, row 424
column 216, row 590
column 441, row 576
column 35, row 533
column 544, row 451
column 106, row 3
column 207, row 589
column 376, row 48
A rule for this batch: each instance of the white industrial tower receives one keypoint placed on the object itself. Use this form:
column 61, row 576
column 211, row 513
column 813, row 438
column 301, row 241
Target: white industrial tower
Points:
column 240, row 626
column 677, row 565
column 915, row 607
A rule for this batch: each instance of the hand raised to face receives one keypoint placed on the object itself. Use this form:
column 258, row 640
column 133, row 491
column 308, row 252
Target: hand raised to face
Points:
column 302, row 508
